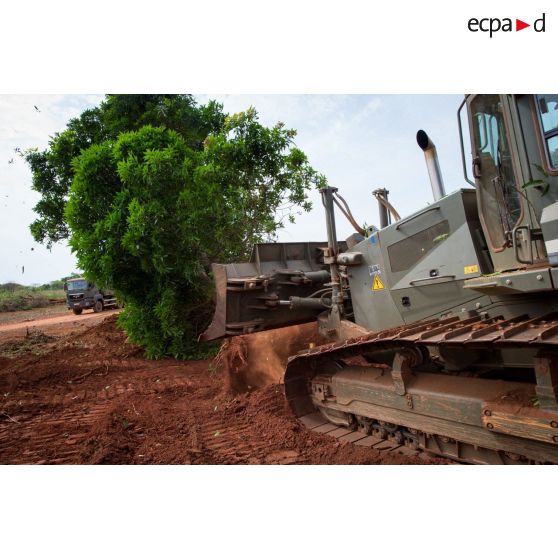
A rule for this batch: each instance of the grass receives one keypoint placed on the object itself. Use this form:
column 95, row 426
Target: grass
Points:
column 15, row 297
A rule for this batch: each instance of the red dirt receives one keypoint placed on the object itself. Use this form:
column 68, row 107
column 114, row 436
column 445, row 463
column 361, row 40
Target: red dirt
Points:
column 56, row 321
column 258, row 360
column 93, row 398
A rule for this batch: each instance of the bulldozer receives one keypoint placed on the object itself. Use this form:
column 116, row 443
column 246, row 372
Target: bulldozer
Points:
column 441, row 327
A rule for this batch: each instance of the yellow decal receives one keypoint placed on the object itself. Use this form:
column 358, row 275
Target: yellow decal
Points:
column 377, row 285
column 470, row 269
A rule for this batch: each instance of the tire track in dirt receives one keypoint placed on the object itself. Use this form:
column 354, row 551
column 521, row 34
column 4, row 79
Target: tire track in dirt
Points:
column 233, row 441
column 92, row 398
column 72, row 417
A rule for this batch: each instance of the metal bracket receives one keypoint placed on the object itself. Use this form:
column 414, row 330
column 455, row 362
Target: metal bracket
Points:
column 401, row 372
column 528, row 242
column 320, row 391
column 546, row 373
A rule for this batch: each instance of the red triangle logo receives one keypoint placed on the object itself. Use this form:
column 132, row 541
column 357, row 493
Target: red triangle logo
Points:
column 519, row 25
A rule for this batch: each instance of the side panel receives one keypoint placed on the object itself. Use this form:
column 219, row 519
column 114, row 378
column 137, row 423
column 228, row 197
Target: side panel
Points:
column 421, row 263
column 441, row 242
column 372, row 302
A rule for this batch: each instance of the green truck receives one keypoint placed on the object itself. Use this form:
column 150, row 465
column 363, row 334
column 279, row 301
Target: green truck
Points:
column 81, row 294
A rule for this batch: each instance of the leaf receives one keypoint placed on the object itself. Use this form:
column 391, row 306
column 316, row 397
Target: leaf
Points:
column 217, row 433
column 533, row 183
column 545, row 186
column 535, row 402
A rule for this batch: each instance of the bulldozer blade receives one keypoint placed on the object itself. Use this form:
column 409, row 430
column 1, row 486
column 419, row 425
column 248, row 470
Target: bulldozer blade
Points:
column 254, row 296
column 216, row 328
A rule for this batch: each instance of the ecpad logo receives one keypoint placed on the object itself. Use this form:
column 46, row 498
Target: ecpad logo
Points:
column 494, row 24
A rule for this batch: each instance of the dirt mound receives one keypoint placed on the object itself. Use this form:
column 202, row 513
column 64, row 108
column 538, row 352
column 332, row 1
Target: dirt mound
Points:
column 258, row 360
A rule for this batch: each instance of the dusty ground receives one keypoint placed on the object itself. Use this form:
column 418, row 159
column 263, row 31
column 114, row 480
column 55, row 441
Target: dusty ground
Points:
column 74, row 391
column 55, row 320
column 36, row 313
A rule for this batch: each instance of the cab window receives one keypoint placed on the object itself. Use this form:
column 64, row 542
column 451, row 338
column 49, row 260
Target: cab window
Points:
column 548, row 112
column 79, row 285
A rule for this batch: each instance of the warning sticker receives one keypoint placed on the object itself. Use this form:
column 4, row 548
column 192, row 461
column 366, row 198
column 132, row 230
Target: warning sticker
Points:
column 374, row 269
column 377, row 284
column 470, row 269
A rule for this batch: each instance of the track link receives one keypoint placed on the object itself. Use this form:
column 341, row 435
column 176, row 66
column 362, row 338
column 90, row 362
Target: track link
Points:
column 320, row 425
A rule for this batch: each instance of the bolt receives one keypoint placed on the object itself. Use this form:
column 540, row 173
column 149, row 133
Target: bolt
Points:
column 554, row 424
column 490, row 426
column 555, row 438
column 539, row 277
column 487, row 413
column 478, row 305
column 508, row 281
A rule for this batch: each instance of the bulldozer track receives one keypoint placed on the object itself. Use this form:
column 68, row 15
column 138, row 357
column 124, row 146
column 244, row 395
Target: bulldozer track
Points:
column 316, row 423
column 537, row 335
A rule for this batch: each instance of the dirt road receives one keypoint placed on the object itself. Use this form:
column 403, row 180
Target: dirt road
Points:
column 55, row 319
column 91, row 397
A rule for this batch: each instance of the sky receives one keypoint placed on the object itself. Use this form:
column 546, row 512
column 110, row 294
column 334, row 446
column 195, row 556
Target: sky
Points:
column 359, row 142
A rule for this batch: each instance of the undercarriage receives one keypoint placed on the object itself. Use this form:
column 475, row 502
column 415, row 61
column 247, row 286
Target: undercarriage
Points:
column 475, row 390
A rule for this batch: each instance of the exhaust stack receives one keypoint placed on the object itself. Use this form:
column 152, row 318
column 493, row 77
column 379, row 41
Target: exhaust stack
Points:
column 431, row 157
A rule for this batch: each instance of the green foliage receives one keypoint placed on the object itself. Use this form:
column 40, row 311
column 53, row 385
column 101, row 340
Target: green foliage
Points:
column 151, row 206
column 52, row 168
column 542, row 185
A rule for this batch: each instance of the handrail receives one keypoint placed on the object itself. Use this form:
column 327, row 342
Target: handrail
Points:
column 429, row 208
column 461, row 143
column 436, row 277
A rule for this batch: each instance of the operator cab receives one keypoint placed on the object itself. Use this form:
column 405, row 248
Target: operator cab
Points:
column 514, row 145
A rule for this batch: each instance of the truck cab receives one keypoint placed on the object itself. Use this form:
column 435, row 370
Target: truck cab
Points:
column 82, row 294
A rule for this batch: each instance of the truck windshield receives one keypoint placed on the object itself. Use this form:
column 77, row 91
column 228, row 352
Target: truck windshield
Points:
column 80, row 285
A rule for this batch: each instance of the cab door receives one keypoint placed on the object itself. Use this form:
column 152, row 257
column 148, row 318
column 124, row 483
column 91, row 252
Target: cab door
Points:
column 498, row 181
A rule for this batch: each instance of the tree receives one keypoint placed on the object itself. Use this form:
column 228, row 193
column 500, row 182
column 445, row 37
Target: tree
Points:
column 52, row 169
column 150, row 207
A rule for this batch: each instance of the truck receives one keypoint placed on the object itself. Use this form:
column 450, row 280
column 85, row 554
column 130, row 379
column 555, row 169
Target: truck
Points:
column 441, row 327
column 81, row 295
